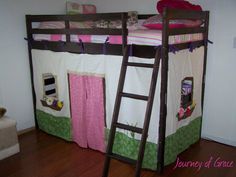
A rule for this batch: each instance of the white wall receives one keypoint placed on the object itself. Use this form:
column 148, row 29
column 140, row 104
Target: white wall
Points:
column 15, row 86
column 147, row 6
column 219, row 121
column 220, row 99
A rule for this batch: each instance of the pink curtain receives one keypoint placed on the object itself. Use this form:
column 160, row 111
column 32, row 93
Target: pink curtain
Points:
column 87, row 111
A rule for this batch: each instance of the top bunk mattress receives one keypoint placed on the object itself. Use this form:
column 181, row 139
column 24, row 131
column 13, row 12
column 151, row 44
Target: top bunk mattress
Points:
column 138, row 37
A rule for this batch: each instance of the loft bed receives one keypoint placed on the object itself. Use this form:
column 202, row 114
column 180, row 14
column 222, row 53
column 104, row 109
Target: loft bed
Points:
column 163, row 154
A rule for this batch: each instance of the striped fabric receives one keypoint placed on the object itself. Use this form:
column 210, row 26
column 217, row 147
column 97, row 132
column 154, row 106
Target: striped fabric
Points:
column 49, row 85
column 138, row 36
column 135, row 37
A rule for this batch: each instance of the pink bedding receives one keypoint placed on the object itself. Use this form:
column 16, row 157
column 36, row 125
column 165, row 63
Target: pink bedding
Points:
column 139, row 37
column 138, row 34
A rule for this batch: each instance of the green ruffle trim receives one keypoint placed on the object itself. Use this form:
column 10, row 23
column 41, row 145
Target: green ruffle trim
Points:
column 126, row 145
column 181, row 140
column 57, row 126
column 174, row 145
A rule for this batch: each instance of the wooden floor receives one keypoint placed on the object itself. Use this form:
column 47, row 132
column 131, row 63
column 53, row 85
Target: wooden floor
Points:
column 43, row 155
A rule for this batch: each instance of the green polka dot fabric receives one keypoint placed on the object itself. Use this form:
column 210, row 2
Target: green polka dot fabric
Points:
column 181, row 140
column 174, row 144
column 57, row 126
column 128, row 146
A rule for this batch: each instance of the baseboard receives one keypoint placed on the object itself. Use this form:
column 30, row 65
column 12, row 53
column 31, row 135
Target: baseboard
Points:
column 20, row 132
column 220, row 140
column 4, row 153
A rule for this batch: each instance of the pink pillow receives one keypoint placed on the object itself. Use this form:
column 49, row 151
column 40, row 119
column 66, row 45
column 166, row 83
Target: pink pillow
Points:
column 177, row 4
column 155, row 22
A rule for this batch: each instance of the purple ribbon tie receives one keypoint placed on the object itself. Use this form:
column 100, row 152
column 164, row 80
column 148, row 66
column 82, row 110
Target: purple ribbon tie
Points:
column 105, row 46
column 81, row 44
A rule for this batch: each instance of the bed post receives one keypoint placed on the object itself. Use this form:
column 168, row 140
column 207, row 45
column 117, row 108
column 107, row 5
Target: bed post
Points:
column 205, row 38
column 30, row 38
column 124, row 32
column 163, row 94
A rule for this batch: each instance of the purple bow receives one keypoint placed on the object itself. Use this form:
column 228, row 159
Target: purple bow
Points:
column 105, row 46
column 29, row 42
column 173, row 49
column 81, row 44
column 131, row 50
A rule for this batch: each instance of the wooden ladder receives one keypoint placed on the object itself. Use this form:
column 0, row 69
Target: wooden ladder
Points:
column 115, row 124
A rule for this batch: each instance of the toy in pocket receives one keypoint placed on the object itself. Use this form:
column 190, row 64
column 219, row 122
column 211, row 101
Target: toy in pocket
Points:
column 52, row 103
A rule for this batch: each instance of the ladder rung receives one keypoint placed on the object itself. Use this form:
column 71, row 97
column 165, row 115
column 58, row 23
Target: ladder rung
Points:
column 144, row 65
column 130, row 128
column 135, row 96
column 122, row 158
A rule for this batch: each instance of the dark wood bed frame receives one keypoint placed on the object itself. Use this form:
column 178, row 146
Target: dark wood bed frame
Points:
column 116, row 49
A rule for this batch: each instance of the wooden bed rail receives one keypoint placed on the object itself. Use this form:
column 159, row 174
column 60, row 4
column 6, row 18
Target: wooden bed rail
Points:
column 168, row 15
column 84, row 31
column 173, row 14
column 186, row 14
column 78, row 18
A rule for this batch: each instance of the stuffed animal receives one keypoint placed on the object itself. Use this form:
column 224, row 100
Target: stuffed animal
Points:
column 2, row 111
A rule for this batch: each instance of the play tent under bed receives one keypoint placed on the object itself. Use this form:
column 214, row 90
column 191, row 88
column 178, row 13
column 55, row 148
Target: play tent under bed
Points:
column 75, row 73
